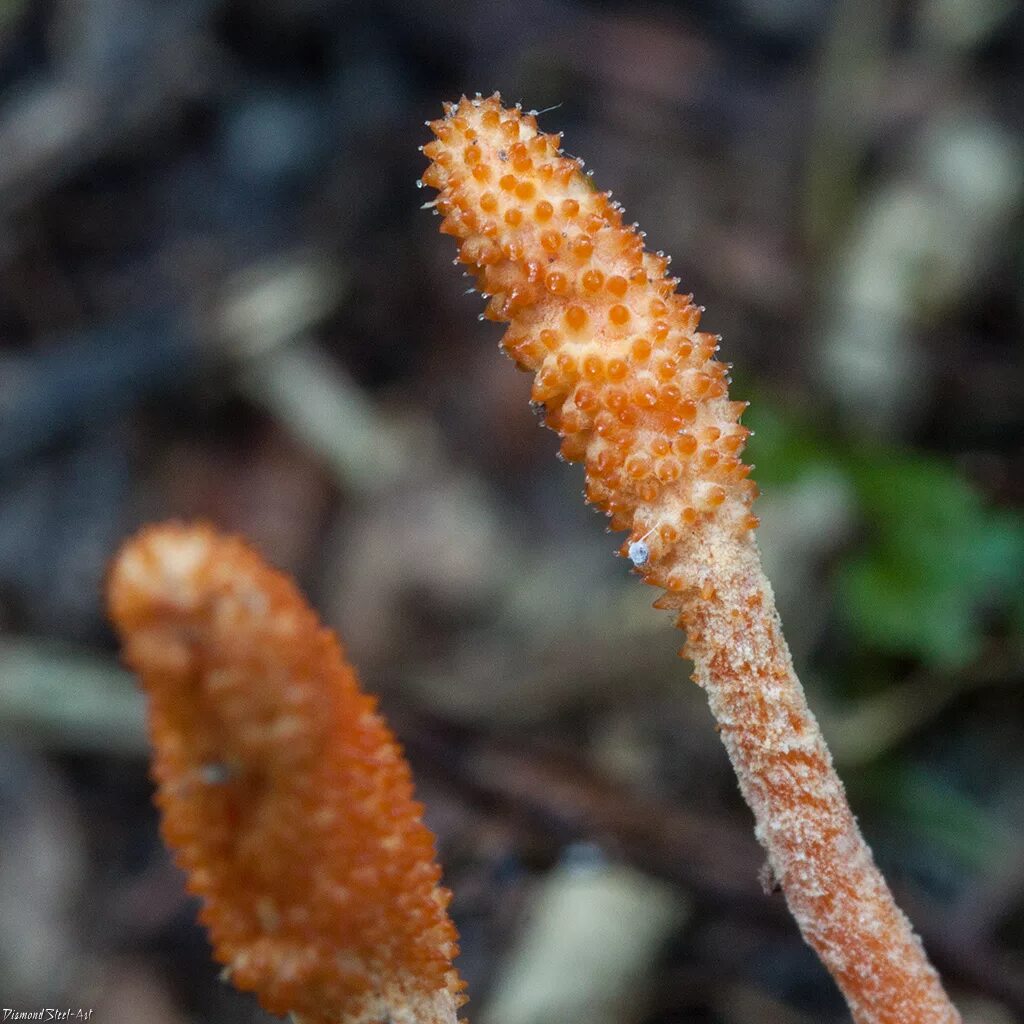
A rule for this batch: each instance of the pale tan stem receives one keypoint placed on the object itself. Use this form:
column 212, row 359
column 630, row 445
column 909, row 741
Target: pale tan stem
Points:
column 839, row 899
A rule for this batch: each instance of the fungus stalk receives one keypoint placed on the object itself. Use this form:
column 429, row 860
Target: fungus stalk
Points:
column 282, row 792
column 633, row 389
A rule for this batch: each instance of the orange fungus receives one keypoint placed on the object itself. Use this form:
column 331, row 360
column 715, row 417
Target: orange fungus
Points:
column 649, row 415
column 283, row 794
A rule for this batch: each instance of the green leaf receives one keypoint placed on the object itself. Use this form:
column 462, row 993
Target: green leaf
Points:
column 935, row 559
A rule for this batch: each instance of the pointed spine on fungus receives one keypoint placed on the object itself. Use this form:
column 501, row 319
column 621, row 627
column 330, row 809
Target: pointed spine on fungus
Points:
column 635, row 392
column 283, row 794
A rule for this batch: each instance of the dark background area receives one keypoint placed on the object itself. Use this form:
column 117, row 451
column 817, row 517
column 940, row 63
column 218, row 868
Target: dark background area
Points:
column 219, row 297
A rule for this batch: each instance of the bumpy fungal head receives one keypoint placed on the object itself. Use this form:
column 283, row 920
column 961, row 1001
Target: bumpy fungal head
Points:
column 629, row 383
column 283, row 794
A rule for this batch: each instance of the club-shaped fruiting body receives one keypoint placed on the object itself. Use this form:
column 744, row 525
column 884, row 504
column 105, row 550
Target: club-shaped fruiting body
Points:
column 628, row 381
column 282, row 792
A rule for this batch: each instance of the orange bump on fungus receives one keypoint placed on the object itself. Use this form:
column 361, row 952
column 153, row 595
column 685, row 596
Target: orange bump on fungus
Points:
column 620, row 318
column 283, row 794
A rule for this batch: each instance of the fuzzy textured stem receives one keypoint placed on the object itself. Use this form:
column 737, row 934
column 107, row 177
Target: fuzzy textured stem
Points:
column 635, row 392
column 816, row 852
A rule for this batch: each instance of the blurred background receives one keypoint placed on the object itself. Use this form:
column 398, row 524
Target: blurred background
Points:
column 219, row 297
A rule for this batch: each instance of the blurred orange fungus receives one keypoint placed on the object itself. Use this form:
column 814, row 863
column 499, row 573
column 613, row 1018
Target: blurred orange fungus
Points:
column 283, row 794
column 635, row 392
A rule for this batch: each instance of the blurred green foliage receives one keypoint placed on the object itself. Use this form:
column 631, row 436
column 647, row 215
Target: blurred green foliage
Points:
column 933, row 563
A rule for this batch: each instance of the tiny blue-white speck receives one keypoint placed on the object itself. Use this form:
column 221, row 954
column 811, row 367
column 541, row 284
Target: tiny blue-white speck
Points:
column 639, row 552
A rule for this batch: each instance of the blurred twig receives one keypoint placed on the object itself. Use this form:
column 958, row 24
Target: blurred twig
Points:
column 266, row 314
column 587, row 949
column 55, row 126
column 67, row 699
column 89, row 377
column 851, row 68
column 876, row 724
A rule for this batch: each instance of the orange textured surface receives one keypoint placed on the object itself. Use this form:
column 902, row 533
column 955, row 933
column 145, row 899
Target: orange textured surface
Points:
column 283, row 794
column 628, row 381
column 636, row 394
